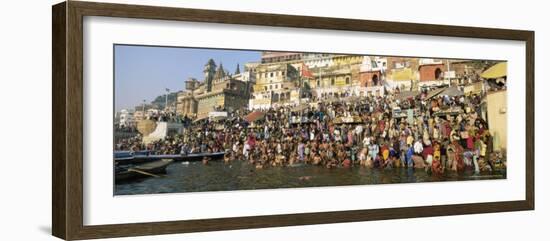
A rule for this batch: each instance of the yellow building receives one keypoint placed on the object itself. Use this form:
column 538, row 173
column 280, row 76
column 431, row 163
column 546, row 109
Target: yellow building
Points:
column 333, row 81
column 344, row 60
column 227, row 94
column 274, row 84
column 495, row 108
column 402, row 69
column 218, row 91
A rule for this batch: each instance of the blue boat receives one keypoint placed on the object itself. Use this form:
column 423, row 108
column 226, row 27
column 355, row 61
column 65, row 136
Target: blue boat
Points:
column 127, row 157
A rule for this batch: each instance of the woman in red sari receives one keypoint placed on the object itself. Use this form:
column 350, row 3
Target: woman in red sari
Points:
column 459, row 157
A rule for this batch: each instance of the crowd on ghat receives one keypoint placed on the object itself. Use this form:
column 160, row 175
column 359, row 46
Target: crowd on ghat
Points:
column 445, row 133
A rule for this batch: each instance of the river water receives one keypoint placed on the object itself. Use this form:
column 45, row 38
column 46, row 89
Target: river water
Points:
column 217, row 176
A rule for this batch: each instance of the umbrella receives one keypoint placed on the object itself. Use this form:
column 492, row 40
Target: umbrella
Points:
column 496, row 71
column 254, row 116
column 218, row 118
column 433, row 93
column 406, row 95
column 200, row 118
column 452, row 92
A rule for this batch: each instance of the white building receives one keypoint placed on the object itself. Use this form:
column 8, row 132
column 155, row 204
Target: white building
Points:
column 152, row 113
column 126, row 118
column 315, row 60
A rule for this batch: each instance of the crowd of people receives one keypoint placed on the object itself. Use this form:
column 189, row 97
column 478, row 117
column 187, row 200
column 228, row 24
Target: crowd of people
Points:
column 443, row 133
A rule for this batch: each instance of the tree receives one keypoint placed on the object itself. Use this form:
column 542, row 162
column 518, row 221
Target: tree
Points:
column 159, row 101
column 209, row 70
column 238, row 70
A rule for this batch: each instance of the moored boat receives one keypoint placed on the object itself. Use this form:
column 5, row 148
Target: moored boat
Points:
column 128, row 159
column 150, row 169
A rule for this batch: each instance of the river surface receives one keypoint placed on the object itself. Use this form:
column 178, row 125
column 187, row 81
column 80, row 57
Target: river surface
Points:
column 217, row 176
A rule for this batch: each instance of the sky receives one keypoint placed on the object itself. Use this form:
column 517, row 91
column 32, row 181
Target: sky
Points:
column 144, row 72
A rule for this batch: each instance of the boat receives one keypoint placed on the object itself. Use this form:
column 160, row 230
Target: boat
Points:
column 193, row 157
column 300, row 164
column 151, row 169
column 127, row 159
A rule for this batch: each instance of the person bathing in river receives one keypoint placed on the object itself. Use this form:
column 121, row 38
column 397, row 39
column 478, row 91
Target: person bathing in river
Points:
column 437, row 167
column 373, row 150
column 385, row 160
column 409, row 156
column 394, row 157
column 246, row 151
column 301, row 149
column 427, row 154
column 363, row 156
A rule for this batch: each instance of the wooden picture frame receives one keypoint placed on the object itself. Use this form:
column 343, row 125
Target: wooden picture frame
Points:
column 67, row 123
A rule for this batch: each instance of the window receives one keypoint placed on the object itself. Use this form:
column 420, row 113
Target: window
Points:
column 332, row 81
column 271, row 74
column 347, row 80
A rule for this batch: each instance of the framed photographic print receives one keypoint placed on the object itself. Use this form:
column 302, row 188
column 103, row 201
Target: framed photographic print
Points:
column 171, row 120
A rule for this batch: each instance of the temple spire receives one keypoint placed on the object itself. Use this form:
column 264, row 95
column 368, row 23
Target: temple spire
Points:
column 220, row 73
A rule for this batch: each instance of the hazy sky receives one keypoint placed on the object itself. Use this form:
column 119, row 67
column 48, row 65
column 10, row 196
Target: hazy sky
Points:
column 143, row 72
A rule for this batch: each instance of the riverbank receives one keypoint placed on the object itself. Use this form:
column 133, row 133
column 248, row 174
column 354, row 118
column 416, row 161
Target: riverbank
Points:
column 217, row 176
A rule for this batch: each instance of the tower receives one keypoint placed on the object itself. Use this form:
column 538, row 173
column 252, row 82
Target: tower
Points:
column 209, row 72
column 191, row 84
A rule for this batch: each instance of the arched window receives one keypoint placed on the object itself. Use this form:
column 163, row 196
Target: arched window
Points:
column 332, row 81
column 347, row 80
column 437, row 73
column 275, row 97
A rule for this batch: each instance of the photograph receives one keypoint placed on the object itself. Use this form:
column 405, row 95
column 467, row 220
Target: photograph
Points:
column 248, row 120
column 190, row 119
